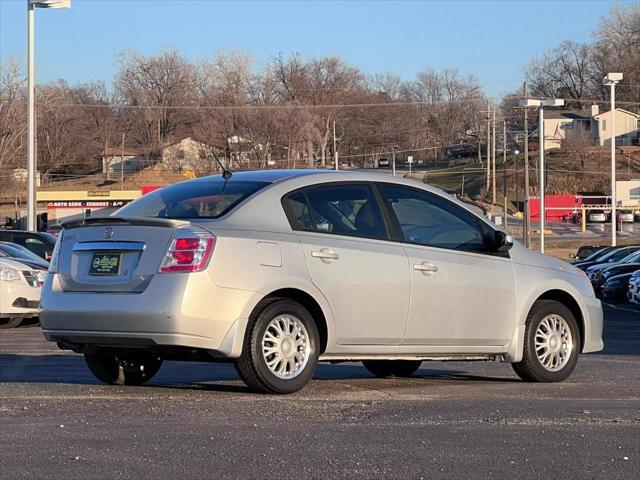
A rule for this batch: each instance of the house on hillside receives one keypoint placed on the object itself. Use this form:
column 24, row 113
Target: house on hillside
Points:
column 558, row 124
column 593, row 126
column 626, row 127
column 189, row 155
column 20, row 175
column 117, row 160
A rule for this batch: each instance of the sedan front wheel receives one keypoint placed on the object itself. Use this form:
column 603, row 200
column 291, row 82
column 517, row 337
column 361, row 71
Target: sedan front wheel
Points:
column 551, row 343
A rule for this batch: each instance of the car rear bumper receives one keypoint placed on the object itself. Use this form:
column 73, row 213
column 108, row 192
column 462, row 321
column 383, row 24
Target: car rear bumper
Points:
column 593, row 319
column 19, row 300
column 177, row 310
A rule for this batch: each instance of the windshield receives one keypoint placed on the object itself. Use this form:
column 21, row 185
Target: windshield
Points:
column 633, row 258
column 617, row 255
column 598, row 254
column 17, row 251
column 188, row 200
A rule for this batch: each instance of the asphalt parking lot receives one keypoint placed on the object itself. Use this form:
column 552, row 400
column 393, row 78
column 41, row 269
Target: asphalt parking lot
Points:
column 452, row 420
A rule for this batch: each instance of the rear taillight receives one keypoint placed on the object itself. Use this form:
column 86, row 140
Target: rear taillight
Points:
column 53, row 263
column 189, row 251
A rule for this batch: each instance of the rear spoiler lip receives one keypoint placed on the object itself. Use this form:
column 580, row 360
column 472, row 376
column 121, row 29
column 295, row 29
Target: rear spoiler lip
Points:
column 137, row 221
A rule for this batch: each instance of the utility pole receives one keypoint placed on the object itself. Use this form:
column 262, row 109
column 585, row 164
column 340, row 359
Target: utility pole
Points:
column 122, row 164
column 488, row 144
column 541, row 172
column 504, row 161
column 106, row 157
column 493, row 158
column 525, row 224
column 335, row 151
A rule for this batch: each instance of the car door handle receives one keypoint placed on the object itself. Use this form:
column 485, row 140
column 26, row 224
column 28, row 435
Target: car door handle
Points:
column 425, row 267
column 325, row 254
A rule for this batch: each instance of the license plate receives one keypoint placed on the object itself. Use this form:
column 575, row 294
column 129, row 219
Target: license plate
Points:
column 105, row 264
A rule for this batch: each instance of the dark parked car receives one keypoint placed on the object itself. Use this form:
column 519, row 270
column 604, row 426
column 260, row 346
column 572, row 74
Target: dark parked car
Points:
column 54, row 230
column 13, row 250
column 611, row 256
column 617, row 285
column 586, row 251
column 40, row 243
column 620, row 269
column 633, row 289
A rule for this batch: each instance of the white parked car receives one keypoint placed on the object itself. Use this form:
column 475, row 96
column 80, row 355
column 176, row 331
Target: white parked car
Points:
column 277, row 270
column 20, row 287
column 626, row 217
column 597, row 217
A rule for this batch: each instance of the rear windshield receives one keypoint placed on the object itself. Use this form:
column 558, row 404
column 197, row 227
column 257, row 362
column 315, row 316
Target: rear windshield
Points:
column 201, row 199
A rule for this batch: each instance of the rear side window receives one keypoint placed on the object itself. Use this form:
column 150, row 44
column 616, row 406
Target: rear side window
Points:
column 201, row 199
column 339, row 209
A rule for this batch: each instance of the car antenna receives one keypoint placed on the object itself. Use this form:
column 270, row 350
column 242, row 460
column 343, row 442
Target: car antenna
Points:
column 226, row 173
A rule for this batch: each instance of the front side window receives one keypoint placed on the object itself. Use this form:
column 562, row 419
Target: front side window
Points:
column 427, row 219
column 338, row 209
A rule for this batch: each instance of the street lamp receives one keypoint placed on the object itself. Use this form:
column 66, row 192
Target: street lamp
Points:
column 612, row 79
column 31, row 113
column 553, row 102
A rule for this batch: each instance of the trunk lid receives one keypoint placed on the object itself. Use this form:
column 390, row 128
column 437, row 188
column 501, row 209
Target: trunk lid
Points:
column 113, row 254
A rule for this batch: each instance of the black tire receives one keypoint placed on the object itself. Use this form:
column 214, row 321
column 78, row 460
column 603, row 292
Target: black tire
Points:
column 252, row 365
column 12, row 322
column 530, row 369
column 392, row 368
column 123, row 370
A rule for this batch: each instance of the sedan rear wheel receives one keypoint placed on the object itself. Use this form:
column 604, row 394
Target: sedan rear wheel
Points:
column 281, row 349
column 123, row 370
column 392, row 368
column 551, row 344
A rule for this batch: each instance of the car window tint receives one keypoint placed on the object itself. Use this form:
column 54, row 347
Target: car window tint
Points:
column 36, row 245
column 429, row 220
column 198, row 199
column 618, row 255
column 299, row 209
column 346, row 210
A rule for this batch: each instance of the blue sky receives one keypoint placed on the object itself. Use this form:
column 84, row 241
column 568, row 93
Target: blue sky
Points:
column 493, row 40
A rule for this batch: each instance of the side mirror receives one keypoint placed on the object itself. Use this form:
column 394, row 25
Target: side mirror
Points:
column 504, row 241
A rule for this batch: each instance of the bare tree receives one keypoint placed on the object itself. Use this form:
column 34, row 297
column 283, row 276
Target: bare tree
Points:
column 164, row 84
column 12, row 114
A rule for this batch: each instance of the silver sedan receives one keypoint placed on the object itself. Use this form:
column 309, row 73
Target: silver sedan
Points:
column 278, row 270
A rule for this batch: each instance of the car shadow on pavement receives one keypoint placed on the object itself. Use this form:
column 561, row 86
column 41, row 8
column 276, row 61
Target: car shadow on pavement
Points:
column 71, row 369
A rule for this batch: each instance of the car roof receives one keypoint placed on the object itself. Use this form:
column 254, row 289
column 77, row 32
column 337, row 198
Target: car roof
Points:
column 259, row 213
column 268, row 176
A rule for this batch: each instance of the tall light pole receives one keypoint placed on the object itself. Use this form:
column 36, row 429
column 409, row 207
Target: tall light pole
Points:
column 612, row 79
column 555, row 102
column 32, row 223
column 394, row 159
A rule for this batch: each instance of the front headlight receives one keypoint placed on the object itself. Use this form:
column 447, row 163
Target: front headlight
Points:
column 9, row 274
column 42, row 276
